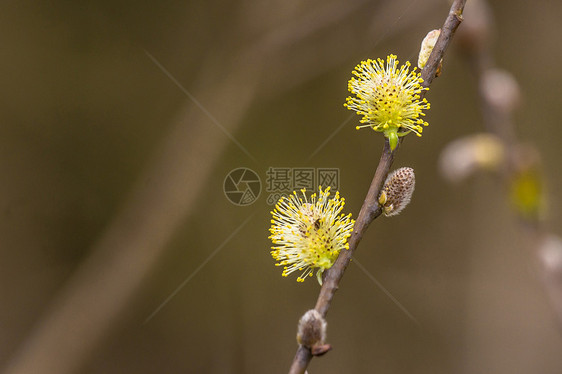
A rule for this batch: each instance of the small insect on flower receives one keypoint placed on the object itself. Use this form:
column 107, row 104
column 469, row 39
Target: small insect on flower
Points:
column 388, row 98
column 309, row 234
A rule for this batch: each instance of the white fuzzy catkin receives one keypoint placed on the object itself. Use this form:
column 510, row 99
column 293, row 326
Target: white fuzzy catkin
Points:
column 427, row 47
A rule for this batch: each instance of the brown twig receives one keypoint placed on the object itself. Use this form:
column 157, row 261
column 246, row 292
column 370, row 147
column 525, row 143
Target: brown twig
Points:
column 370, row 209
column 451, row 24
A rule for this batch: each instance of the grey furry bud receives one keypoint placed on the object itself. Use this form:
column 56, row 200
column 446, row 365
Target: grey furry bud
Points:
column 312, row 332
column 397, row 191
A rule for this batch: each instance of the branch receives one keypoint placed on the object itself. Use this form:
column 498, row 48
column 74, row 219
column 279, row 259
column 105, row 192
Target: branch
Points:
column 371, row 209
column 451, row 24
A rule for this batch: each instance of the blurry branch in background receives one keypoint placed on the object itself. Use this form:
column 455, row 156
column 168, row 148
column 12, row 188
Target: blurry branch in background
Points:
column 371, row 209
column 500, row 150
column 90, row 303
column 302, row 38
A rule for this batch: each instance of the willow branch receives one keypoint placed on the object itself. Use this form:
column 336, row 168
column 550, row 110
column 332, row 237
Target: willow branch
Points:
column 371, row 209
column 451, row 24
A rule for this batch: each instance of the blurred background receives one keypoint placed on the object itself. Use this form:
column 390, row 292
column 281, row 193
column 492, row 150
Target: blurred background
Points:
column 121, row 253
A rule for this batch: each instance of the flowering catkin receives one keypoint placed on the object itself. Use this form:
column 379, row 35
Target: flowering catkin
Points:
column 309, row 233
column 388, row 98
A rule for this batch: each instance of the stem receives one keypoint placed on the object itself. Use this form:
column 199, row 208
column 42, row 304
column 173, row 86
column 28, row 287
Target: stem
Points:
column 369, row 211
column 370, row 208
column 451, row 24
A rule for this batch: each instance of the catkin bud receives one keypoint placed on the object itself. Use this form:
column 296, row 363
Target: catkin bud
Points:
column 427, row 46
column 500, row 89
column 312, row 332
column 397, row 191
column 463, row 157
column 550, row 257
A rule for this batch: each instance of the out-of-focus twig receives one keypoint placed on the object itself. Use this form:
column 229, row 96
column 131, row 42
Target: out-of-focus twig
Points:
column 104, row 284
column 521, row 170
column 370, row 209
column 301, row 38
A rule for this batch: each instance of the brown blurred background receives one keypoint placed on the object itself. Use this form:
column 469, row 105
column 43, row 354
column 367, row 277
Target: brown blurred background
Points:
column 119, row 122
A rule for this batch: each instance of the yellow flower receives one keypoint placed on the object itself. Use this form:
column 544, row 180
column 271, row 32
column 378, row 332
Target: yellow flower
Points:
column 388, row 98
column 309, row 234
